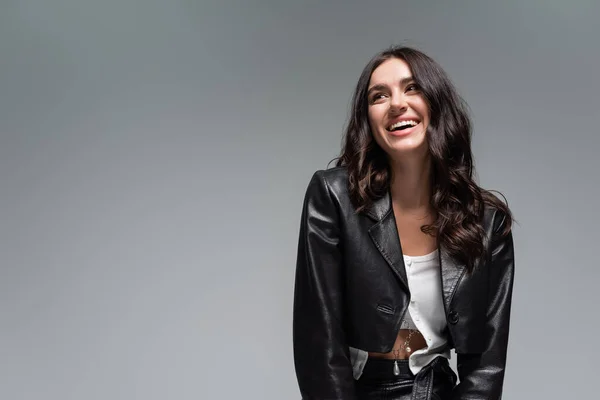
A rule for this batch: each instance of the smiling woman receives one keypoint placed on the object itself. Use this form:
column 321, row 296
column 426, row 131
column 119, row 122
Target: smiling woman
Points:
column 397, row 109
column 401, row 255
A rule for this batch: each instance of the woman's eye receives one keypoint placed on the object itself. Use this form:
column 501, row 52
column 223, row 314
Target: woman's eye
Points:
column 377, row 96
column 412, row 87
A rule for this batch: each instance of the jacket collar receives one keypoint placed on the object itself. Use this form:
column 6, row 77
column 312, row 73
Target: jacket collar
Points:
column 384, row 234
column 380, row 207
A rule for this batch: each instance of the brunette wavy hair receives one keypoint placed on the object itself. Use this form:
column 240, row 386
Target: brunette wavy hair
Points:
column 457, row 200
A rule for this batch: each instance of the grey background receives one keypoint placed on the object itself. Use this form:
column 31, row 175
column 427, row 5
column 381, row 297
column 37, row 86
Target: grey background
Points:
column 154, row 156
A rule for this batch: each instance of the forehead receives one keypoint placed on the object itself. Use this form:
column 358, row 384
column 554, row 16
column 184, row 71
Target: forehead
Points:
column 390, row 72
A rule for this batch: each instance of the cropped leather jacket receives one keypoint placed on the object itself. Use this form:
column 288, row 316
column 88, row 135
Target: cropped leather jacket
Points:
column 351, row 290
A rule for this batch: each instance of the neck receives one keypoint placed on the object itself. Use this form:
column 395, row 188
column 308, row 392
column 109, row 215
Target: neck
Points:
column 411, row 184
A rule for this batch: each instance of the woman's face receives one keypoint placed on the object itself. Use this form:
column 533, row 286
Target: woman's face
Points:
column 398, row 112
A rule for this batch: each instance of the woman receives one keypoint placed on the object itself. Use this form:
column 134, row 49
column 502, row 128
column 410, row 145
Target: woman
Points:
column 402, row 256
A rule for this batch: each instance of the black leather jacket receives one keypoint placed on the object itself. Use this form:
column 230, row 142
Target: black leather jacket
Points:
column 351, row 290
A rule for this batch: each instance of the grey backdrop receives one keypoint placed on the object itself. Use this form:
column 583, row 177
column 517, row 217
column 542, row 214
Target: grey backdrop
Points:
column 154, row 156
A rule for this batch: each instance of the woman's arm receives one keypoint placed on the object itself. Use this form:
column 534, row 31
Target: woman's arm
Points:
column 482, row 375
column 321, row 355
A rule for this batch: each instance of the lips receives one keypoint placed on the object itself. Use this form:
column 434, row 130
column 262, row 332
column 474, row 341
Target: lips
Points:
column 404, row 132
column 400, row 124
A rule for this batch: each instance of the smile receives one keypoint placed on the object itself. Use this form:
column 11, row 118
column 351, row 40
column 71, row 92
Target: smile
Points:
column 403, row 128
column 401, row 125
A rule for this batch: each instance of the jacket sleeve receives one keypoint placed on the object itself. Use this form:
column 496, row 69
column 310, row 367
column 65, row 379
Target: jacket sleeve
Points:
column 482, row 375
column 321, row 354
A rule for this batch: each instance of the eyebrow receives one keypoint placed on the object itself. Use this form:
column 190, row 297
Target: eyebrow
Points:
column 382, row 86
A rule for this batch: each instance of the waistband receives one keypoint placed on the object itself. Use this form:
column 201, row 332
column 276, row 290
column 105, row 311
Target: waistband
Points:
column 380, row 370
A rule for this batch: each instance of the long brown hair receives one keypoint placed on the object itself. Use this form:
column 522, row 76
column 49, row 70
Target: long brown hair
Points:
column 457, row 200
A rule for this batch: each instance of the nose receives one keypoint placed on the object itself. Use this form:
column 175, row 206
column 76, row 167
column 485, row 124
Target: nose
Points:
column 398, row 103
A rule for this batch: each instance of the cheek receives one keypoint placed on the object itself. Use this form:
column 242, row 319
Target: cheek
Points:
column 373, row 126
column 370, row 115
column 374, row 117
column 424, row 108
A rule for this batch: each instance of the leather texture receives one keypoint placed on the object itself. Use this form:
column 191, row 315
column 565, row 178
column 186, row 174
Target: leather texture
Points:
column 351, row 290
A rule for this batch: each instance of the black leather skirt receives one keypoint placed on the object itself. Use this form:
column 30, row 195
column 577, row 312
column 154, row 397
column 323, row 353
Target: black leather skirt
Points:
column 377, row 382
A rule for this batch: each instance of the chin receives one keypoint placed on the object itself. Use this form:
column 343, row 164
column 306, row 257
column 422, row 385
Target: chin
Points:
column 408, row 148
column 408, row 144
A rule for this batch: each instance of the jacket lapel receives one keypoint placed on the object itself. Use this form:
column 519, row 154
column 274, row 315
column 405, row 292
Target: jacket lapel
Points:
column 384, row 234
column 451, row 273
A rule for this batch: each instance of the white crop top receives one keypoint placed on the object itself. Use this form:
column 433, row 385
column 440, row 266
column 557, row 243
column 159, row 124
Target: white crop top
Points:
column 425, row 313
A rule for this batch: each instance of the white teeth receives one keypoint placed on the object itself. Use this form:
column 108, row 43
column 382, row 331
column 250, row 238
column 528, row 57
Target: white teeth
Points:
column 402, row 123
